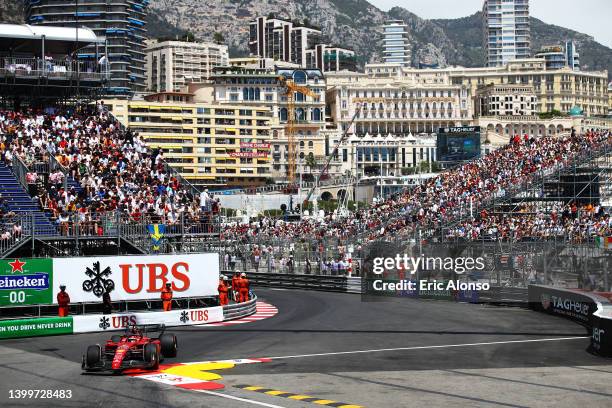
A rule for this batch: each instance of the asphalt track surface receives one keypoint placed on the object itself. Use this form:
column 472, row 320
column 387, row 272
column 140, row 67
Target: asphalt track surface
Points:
column 400, row 353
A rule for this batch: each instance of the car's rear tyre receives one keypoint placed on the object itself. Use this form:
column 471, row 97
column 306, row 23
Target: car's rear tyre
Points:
column 93, row 355
column 168, row 345
column 151, row 355
column 116, row 338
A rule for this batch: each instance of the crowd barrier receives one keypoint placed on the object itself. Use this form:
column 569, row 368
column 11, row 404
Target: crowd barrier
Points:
column 48, row 326
column 592, row 311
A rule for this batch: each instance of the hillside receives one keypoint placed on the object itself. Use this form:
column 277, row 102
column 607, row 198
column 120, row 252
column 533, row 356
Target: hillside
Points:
column 351, row 23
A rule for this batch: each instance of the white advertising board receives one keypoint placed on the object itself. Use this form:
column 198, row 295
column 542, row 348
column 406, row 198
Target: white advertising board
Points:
column 119, row 321
column 136, row 277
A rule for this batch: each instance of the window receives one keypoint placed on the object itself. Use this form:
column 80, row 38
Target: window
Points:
column 299, row 77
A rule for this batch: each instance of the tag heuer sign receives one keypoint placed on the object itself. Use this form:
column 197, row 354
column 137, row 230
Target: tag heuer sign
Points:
column 460, row 129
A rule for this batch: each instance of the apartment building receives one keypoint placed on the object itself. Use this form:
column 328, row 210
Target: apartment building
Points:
column 281, row 40
column 556, row 90
column 173, row 64
column 507, row 31
column 210, row 144
column 329, row 58
column 396, row 43
column 267, row 89
column 559, row 89
column 121, row 23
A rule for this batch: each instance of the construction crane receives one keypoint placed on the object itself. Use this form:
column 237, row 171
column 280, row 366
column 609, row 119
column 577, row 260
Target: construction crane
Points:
column 334, row 153
column 291, row 88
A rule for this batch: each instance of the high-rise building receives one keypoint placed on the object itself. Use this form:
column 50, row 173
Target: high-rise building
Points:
column 328, row 58
column 173, row 64
column 281, row 40
column 120, row 22
column 554, row 55
column 572, row 56
column 506, row 31
column 396, row 43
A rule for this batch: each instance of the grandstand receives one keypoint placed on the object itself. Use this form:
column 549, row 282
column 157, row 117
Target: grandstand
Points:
column 41, row 64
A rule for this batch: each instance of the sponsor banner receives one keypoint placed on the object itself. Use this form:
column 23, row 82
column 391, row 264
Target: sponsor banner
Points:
column 136, row 277
column 601, row 332
column 119, row 321
column 445, row 294
column 249, row 145
column 35, row 327
column 469, row 296
column 249, row 154
column 576, row 306
column 26, row 282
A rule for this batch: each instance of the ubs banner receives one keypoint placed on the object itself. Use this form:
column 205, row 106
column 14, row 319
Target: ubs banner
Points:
column 136, row 277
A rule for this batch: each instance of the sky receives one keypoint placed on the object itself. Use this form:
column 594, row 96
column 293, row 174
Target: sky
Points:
column 591, row 17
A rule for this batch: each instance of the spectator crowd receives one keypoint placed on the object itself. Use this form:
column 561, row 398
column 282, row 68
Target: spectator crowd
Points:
column 111, row 169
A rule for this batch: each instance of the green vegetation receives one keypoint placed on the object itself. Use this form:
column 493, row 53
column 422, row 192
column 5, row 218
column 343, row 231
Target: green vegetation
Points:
column 552, row 114
column 218, row 38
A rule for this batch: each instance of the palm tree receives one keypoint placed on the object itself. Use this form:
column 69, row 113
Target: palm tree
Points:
column 311, row 162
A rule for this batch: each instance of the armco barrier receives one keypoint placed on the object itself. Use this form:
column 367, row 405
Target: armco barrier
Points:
column 309, row 282
column 238, row 310
column 590, row 310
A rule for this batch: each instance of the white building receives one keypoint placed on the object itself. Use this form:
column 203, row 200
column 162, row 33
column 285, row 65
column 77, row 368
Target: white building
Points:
column 403, row 101
column 173, row 64
column 396, row 43
column 506, row 31
column 505, row 99
column 383, row 155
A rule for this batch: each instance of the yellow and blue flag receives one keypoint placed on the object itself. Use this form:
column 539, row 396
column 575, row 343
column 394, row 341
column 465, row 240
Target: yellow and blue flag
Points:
column 156, row 231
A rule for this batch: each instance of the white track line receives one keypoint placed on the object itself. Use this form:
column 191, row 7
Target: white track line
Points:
column 218, row 394
column 427, row 347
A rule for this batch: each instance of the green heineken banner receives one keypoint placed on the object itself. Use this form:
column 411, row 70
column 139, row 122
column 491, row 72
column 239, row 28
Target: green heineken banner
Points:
column 26, row 282
column 35, row 327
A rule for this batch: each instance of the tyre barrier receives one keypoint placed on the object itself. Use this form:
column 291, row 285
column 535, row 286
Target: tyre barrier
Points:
column 49, row 326
column 590, row 310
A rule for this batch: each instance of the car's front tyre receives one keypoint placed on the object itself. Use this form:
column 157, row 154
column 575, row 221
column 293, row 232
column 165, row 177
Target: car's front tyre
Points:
column 93, row 356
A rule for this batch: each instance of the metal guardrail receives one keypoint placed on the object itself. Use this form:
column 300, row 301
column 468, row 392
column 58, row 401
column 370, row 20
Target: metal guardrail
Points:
column 308, row 282
column 34, row 68
column 239, row 310
column 20, row 170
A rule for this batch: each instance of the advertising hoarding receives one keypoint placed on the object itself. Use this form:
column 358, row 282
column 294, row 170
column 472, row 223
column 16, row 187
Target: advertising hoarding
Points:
column 119, row 321
column 26, row 282
column 136, row 277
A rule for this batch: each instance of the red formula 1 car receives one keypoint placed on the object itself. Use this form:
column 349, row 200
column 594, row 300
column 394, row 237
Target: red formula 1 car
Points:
column 133, row 349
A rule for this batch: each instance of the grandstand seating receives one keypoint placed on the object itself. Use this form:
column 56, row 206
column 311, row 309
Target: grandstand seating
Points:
column 20, row 202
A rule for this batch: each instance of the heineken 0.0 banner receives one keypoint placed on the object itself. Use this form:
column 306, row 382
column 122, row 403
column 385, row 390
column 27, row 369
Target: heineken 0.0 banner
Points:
column 35, row 327
column 26, row 282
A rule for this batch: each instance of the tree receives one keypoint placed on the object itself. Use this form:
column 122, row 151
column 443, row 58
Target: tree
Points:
column 311, row 162
column 188, row 36
column 218, row 37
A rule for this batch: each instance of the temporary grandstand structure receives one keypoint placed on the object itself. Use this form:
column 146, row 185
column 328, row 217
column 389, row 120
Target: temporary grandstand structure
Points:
column 42, row 62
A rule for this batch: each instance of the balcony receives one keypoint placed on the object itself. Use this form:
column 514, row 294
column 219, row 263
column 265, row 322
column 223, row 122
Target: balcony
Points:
column 34, row 68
